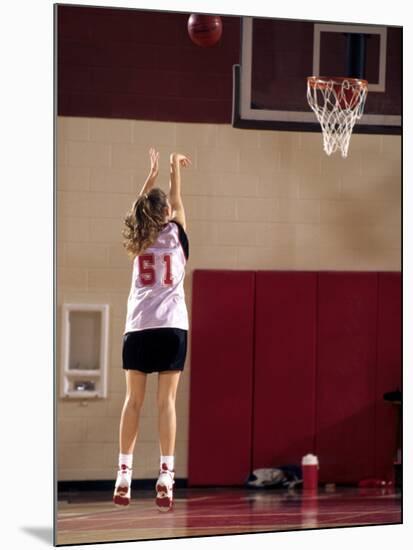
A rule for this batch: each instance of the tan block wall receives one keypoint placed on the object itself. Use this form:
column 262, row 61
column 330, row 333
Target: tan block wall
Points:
column 254, row 200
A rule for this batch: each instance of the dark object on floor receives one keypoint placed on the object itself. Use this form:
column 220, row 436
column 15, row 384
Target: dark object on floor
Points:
column 398, row 475
column 282, row 477
column 394, row 396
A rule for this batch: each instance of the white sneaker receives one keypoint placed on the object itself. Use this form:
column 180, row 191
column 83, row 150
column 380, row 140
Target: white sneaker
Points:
column 121, row 495
column 164, row 489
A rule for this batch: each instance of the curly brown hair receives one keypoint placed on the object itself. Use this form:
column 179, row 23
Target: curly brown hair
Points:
column 144, row 221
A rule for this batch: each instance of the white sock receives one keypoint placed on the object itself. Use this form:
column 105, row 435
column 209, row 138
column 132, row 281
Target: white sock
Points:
column 168, row 460
column 126, row 459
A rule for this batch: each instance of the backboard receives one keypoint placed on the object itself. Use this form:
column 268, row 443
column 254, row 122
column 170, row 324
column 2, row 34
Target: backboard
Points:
column 277, row 56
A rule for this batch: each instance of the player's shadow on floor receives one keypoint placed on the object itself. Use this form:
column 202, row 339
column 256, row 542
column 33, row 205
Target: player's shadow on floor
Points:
column 43, row 533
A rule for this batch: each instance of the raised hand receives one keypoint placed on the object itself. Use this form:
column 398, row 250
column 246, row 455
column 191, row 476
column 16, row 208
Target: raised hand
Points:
column 181, row 159
column 154, row 156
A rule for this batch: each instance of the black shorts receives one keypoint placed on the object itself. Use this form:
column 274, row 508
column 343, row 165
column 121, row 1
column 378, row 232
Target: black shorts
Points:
column 154, row 349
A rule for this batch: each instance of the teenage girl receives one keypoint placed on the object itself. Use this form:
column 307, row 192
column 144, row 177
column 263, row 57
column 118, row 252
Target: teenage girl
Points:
column 155, row 335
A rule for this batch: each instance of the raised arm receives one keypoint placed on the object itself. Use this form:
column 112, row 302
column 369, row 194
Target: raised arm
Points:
column 153, row 173
column 175, row 198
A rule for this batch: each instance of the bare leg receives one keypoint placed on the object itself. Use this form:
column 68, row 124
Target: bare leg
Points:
column 166, row 396
column 129, row 422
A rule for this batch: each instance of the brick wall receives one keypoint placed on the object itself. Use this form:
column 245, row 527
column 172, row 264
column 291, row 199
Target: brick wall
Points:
column 140, row 64
column 254, row 200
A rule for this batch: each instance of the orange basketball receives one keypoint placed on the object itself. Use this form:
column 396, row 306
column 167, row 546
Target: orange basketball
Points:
column 204, row 30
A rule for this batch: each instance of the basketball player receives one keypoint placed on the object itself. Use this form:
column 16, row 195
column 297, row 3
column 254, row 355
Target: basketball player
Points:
column 155, row 335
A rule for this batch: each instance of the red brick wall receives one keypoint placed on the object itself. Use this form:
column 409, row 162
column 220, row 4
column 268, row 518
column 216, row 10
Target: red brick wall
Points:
column 139, row 64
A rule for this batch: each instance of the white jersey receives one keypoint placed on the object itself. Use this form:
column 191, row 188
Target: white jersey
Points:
column 157, row 297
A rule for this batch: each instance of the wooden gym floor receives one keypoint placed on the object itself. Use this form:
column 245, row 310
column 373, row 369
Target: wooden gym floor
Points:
column 91, row 517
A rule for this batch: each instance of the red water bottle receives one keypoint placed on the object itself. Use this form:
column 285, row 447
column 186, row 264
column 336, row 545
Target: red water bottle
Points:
column 310, row 472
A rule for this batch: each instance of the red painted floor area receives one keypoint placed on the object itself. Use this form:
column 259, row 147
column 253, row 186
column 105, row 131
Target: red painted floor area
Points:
column 199, row 512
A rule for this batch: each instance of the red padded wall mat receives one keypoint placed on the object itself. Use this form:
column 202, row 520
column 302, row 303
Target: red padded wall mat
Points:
column 285, row 363
column 389, row 368
column 346, row 375
column 285, row 367
column 221, row 377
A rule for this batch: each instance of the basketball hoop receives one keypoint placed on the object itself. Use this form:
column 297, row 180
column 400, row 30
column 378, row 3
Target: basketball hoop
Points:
column 338, row 102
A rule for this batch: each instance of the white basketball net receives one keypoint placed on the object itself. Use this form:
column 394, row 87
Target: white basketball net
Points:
column 337, row 104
